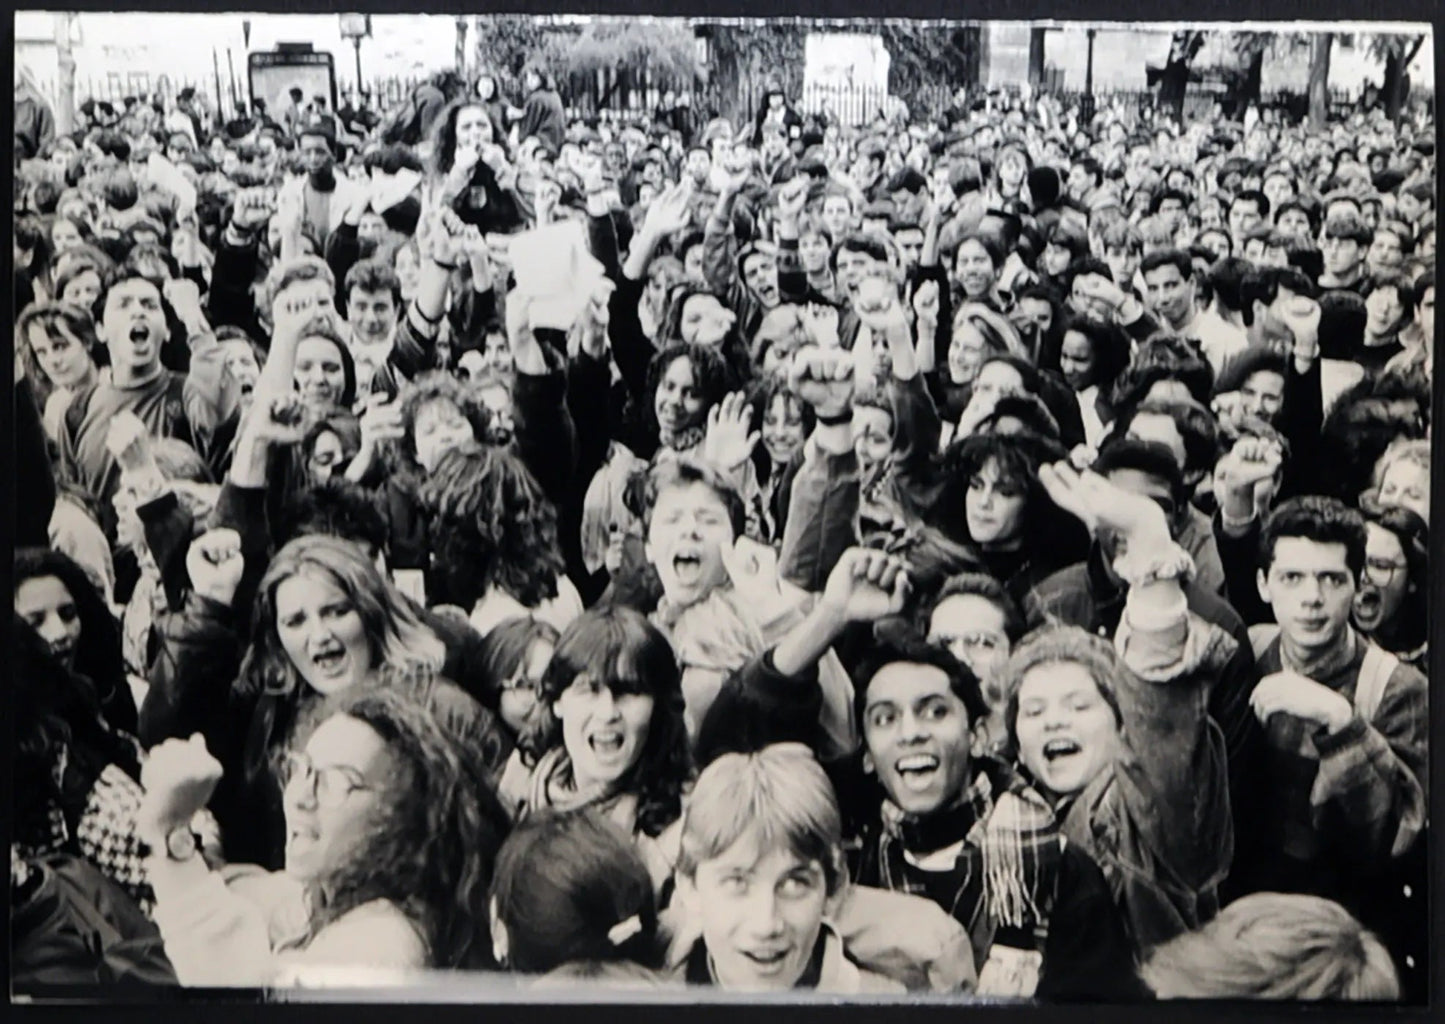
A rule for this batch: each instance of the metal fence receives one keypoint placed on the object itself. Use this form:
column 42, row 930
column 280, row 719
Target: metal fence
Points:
column 114, row 88
column 631, row 96
column 388, row 93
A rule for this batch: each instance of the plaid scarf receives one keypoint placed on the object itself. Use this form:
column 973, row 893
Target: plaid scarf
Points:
column 554, row 787
column 1015, row 835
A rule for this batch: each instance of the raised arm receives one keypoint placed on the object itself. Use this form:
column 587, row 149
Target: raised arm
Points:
column 720, row 247
column 200, row 649
column 443, row 242
column 1172, row 780
column 229, row 300
column 822, row 516
column 776, row 697
column 1239, row 474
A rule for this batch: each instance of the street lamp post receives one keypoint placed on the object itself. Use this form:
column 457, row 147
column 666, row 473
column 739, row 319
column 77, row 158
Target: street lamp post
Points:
column 356, row 27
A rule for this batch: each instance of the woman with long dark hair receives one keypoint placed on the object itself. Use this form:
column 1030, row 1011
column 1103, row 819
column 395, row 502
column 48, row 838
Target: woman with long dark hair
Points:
column 494, row 539
column 1092, row 355
column 76, row 778
column 993, row 503
column 572, row 902
column 58, row 600
column 470, row 169
column 614, row 732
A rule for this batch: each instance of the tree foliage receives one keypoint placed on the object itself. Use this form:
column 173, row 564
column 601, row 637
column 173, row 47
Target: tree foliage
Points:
column 749, row 57
column 924, row 56
column 507, row 42
column 666, row 47
column 1319, row 79
column 1397, row 51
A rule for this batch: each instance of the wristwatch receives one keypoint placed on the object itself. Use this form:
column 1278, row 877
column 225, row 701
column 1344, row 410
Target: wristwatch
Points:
column 182, row 844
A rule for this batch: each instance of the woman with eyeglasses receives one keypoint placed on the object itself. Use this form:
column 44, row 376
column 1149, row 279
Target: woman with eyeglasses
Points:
column 325, row 621
column 514, row 657
column 1390, row 606
column 391, row 836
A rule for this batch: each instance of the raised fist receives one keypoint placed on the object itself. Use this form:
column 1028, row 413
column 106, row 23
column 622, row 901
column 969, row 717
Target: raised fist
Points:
column 824, row 379
column 215, row 564
column 866, row 585
column 179, row 777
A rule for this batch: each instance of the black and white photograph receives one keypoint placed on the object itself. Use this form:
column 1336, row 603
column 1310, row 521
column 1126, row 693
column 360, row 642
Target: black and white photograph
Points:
column 564, row 508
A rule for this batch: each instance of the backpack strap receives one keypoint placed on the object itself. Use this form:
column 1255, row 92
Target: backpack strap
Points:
column 1375, row 672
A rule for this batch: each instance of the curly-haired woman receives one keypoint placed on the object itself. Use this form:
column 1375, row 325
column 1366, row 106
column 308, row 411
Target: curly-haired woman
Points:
column 471, row 171
column 391, row 839
column 325, row 621
column 495, row 540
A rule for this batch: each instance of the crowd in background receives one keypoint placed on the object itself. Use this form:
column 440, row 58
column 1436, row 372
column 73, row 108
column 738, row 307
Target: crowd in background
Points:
column 979, row 556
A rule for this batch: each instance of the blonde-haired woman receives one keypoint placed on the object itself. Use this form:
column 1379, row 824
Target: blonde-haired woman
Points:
column 325, row 621
column 1402, row 478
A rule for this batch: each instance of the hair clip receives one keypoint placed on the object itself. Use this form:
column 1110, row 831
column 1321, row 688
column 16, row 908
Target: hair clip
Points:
column 625, row 930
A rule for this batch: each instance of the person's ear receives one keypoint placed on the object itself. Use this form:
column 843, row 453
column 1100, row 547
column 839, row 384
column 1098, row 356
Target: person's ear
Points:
column 839, row 896
column 870, row 767
column 1261, row 583
column 978, row 737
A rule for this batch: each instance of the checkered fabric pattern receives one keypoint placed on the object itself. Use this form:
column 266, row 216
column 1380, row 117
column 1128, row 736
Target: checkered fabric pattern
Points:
column 107, row 833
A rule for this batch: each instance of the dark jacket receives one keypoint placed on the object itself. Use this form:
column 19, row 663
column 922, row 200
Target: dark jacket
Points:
column 1158, row 822
column 34, row 123
column 543, row 116
column 71, row 927
column 1084, row 595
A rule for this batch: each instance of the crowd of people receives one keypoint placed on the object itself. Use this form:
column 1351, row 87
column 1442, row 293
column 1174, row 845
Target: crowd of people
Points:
column 978, row 556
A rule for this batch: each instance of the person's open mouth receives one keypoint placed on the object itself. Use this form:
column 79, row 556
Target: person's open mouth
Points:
column 687, row 568
column 330, row 660
column 1062, row 750
column 917, row 771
